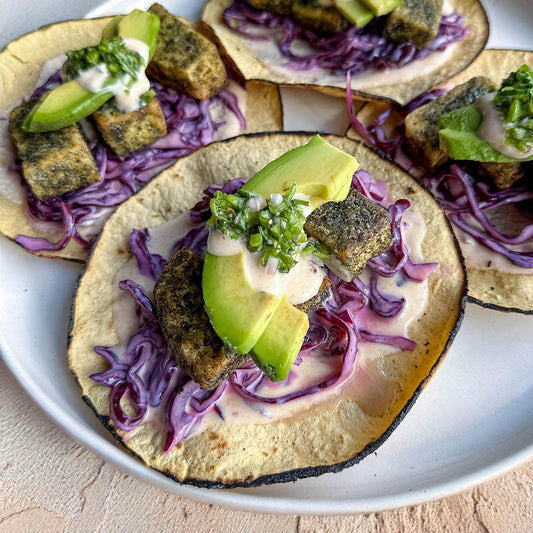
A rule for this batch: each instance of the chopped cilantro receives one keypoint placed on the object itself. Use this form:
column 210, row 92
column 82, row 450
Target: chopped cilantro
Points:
column 276, row 230
column 120, row 60
column 514, row 101
column 147, row 97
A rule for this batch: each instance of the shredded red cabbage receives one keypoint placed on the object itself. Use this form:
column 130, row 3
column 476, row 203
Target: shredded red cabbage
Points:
column 149, row 264
column 190, row 127
column 354, row 50
column 466, row 199
column 146, row 375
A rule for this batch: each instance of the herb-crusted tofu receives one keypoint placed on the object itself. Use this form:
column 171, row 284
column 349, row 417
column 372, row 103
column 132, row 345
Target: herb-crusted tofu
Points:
column 414, row 20
column 125, row 131
column 190, row 337
column 504, row 175
column 53, row 162
column 186, row 60
column 318, row 15
column 281, row 7
column 421, row 128
column 354, row 231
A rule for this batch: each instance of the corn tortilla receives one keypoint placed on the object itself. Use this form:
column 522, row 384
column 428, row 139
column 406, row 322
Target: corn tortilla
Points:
column 330, row 437
column 20, row 64
column 252, row 68
column 503, row 291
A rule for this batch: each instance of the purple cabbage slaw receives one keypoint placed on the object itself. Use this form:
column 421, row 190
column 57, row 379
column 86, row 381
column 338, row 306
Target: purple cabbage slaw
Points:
column 353, row 51
column 189, row 126
column 466, row 200
column 147, row 376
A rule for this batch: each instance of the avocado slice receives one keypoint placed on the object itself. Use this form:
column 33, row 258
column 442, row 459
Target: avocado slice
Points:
column 382, row 7
column 319, row 170
column 239, row 313
column 355, row 11
column 280, row 343
column 459, row 140
column 70, row 102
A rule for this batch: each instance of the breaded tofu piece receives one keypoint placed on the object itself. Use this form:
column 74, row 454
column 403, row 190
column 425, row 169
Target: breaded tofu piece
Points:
column 53, row 162
column 354, row 231
column 416, row 21
column 318, row 15
column 281, row 7
column 504, row 175
column 126, row 131
column 184, row 59
column 186, row 327
column 318, row 299
column 421, row 128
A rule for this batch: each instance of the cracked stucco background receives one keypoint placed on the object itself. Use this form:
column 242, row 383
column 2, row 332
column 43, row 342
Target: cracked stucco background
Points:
column 48, row 483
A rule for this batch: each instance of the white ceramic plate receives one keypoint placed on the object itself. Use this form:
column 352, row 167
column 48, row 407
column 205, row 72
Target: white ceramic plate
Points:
column 474, row 420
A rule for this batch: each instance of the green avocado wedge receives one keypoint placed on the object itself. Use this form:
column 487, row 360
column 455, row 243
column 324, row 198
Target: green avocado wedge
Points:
column 319, row 170
column 382, row 7
column 280, row 343
column 239, row 313
column 458, row 138
column 355, row 11
column 70, row 102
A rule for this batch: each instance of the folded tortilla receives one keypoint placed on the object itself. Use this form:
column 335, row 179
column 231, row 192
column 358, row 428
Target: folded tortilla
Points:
column 253, row 68
column 490, row 288
column 20, row 65
column 331, row 436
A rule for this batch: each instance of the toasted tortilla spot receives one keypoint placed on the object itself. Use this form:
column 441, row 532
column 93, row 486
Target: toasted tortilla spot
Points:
column 507, row 292
column 20, row 64
column 253, row 68
column 326, row 439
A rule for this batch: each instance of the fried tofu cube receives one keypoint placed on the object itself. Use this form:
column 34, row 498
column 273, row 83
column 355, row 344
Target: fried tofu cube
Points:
column 504, row 175
column 354, row 231
column 421, row 127
column 281, row 7
column 186, row 327
column 416, row 21
column 318, row 299
column 126, row 131
column 53, row 162
column 319, row 15
column 184, row 59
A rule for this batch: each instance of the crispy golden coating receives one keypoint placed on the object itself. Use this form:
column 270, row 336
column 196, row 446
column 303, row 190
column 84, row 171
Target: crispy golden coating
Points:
column 126, row 131
column 504, row 175
column 53, row 162
column 318, row 15
column 186, row 60
column 421, row 128
column 354, row 231
column 414, row 20
column 186, row 326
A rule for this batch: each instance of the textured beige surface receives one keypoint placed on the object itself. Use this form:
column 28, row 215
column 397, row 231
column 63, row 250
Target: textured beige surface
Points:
column 49, row 483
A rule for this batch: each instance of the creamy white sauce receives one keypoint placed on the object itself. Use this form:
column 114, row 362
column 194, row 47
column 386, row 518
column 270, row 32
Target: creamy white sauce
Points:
column 493, row 129
column 127, row 93
column 231, row 126
column 268, row 53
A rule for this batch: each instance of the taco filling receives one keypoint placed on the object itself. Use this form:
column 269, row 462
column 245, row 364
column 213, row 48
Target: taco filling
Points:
column 272, row 295
column 472, row 147
column 105, row 119
column 321, row 42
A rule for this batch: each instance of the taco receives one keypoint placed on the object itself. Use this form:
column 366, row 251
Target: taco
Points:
column 211, row 339
column 402, row 52
column 486, row 193
column 62, row 174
